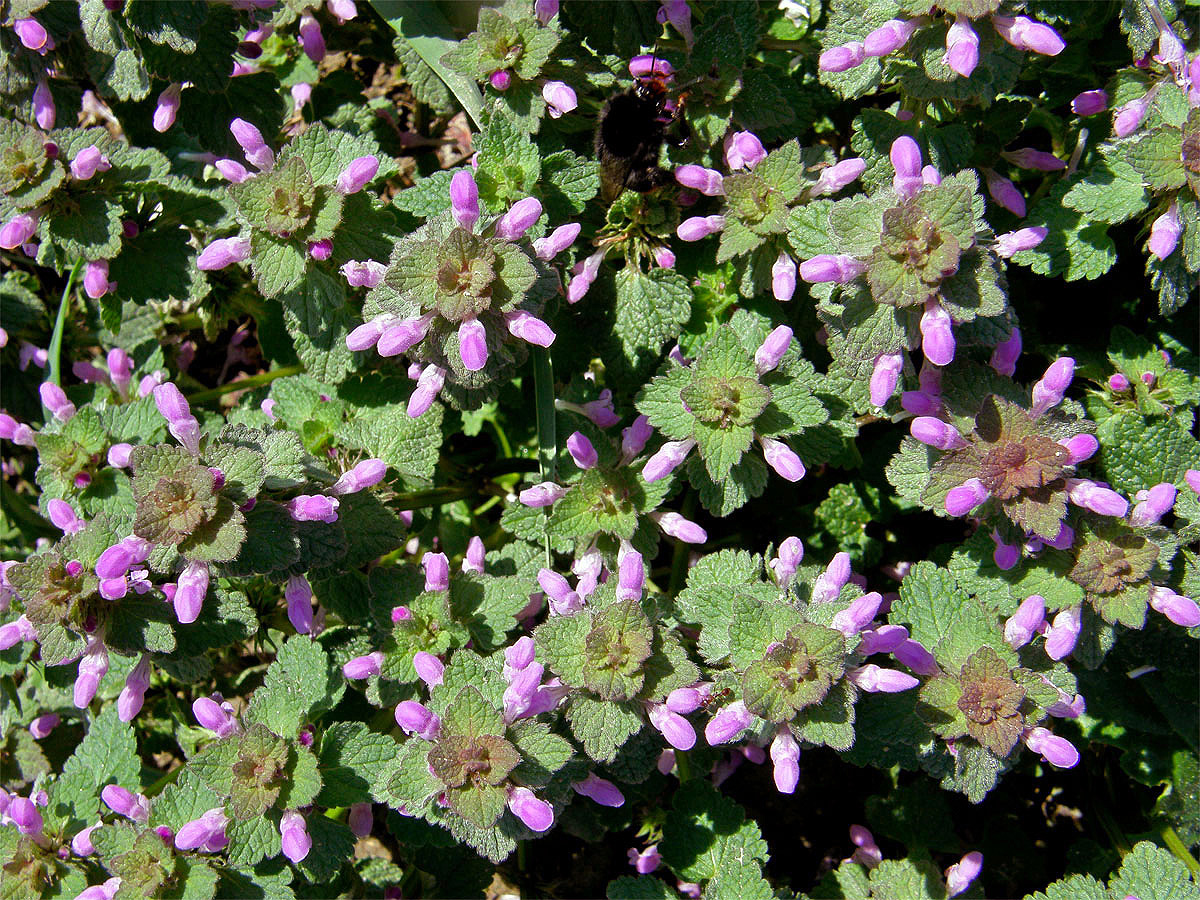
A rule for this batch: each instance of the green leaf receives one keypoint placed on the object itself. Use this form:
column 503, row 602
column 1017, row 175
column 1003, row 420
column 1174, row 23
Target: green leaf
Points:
column 106, row 755
column 707, row 835
column 1158, row 159
column 641, row 887
column 650, row 311
column 298, row 686
column 929, row 603
column 1152, row 873
column 1137, row 454
column 1111, row 192
column 602, row 726
column 253, row 840
column 278, row 265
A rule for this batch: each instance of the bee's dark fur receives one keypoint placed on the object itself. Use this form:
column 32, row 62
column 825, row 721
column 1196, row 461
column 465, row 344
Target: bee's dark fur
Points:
column 629, row 135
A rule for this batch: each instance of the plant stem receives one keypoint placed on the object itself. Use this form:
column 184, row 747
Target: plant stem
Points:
column 1180, row 850
column 543, row 395
column 55, row 350
column 243, row 384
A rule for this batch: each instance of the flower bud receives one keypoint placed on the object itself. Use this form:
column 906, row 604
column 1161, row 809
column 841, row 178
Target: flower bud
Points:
column 55, row 400
column 25, row 816
column 63, row 516
column 727, row 723
column 843, row 57
column 500, row 80
column 167, row 107
column 1097, row 498
column 1062, row 634
column 18, row 230
column 126, row 803
column 402, row 336
column 417, row 719
column 827, row 267
column 250, row 139
column 1154, row 504
column 118, row 455
column 634, row 438
column 709, row 182
column 699, row 227
column 785, row 564
column 1005, row 556
column 1165, row 232
column 92, row 667
column 357, row 174
column 88, row 162
column 544, row 494
column 1026, row 34
column 874, row 679
column 676, row 526
column 743, row 150
column 545, row 10
column 362, row 667
column 937, row 334
column 1089, row 103
column 191, row 591
column 671, row 725
column 829, row 583
column 964, row 498
column 311, row 38
column 520, row 217
column 559, row 97
column 772, row 350
column 599, row 789
column 557, row 241
column 293, row 832
column 960, row 875
column 209, row 714
column 1005, row 193
column 582, row 451
column 472, row 344
column 782, row 459
column 232, row 170
column 669, row 457
column 313, row 508
column 298, row 594
column 44, row 111
column 223, row 252
column 537, row 815
column 31, row 34
column 858, row 615
column 1183, row 611
column 114, row 561
column 884, row 377
column 364, row 273
column 962, row 47
column 1127, row 118
column 43, row 725
column 1008, row 245
column 1057, row 751
column 95, row 279
column 833, row 178
column 936, row 433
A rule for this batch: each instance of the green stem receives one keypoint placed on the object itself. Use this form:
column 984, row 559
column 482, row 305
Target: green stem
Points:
column 60, row 323
column 243, row 384
column 679, row 557
column 432, row 497
column 682, row 764
column 543, row 396
column 1180, row 850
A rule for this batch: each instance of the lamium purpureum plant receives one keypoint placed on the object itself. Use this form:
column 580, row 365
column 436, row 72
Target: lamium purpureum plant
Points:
column 559, row 448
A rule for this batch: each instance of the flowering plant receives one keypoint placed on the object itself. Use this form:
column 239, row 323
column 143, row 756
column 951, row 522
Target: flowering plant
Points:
column 409, row 489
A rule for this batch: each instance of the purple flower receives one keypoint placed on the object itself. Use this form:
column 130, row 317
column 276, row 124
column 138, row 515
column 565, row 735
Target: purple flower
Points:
column 106, row 891
column 884, row 377
column 872, row 678
column 631, row 575
column 81, row 844
column 538, row 815
column 583, row 274
column 827, row 267
column 1049, row 391
column 1127, row 118
column 56, row 401
column 771, row 351
column 1181, row 610
column 13, row 633
column 1154, row 504
column 599, row 789
column 206, row 833
column 191, row 591
column 709, row 182
column 342, row 10
column 1165, row 232
column 545, row 10
column 884, row 639
column 1007, row 352
column 784, row 566
column 1089, row 103
column 31, row 34
column 223, row 252
column 18, row 230
column 1063, row 632
column 785, row 755
column 43, row 725
column 582, row 451
column 361, row 819
column 633, row 438
column 472, row 344
column 63, row 516
column 118, row 455
column 671, row 725
column 676, row 526
column 559, row 97
column 88, row 162
column 357, row 174
column 1057, row 751
column 401, row 336
column 429, row 668
column 250, row 139
column 937, row 334
column 727, row 723
column 167, row 107
column 833, row 178
column 1037, row 160
column 936, row 433
column 962, row 47
column 1026, row 622
column 828, row 585
column 669, row 457
column 133, row 694
column 843, row 57
column 1099, row 499
column 365, row 273
column 1026, row 34
column 905, row 155
column 679, row 14
column 298, row 594
column 313, row 508
column 92, row 667
column 311, row 38
column 1005, row 556
column 650, row 64
column 867, row 853
column 557, row 241
column 520, row 653
column 520, row 217
column 294, row 833
column 964, row 498
column 182, row 425
column 126, row 803
column 699, row 227
column 782, row 459
column 544, row 494
column 437, row 571
column 1005, row 193
column 960, row 875
column 1007, row 245
column 500, row 80
column 783, row 278
column 888, row 38
column 646, row 861
column 743, row 150
column 44, row 112
column 232, row 170
column 417, row 719
column 217, row 718
column 362, row 667
column 365, row 474
column 95, row 279
column 25, row 815
column 858, row 615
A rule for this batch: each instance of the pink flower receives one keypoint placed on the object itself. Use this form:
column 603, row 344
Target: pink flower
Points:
column 464, row 199
column 472, row 344
column 1089, row 103
column 699, row 227
column 782, row 458
column 890, row 37
column 783, row 278
column 1026, row 34
column 827, row 267
column 937, row 334
column 842, row 58
column 429, row 385
column 167, row 107
column 519, row 219
column 709, row 182
column 223, row 252
column 559, row 97
column 357, row 174
column 250, row 139
column 298, row 594
column 1005, row 193
column 1165, row 232
column 599, row 789
column 884, row 377
column 743, row 150
column 311, row 38
column 538, row 815
column 772, row 350
column 962, row 47
column 1008, row 245
column 557, row 241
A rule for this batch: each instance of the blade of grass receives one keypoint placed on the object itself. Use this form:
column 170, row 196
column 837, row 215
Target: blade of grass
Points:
column 56, row 338
column 543, row 397
column 430, row 35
